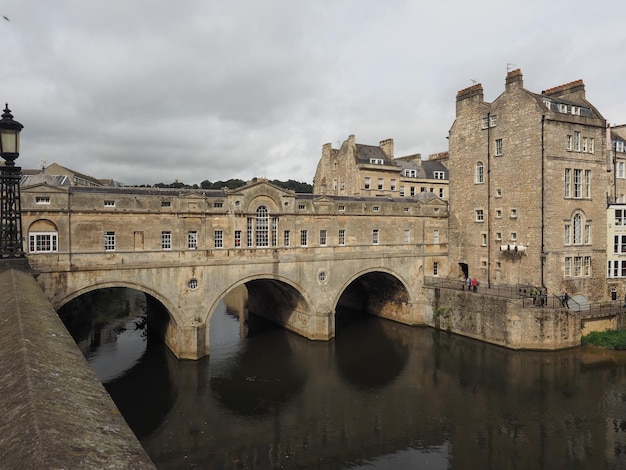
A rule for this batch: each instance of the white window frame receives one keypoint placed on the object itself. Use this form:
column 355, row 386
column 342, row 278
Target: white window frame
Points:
column 499, row 147
column 375, row 236
column 304, row 238
column 479, row 215
column 109, row 241
column 218, row 239
column 192, row 240
column 367, row 182
column 323, row 237
column 479, row 174
column 43, row 242
column 42, row 199
column 166, row 240
column 342, row 237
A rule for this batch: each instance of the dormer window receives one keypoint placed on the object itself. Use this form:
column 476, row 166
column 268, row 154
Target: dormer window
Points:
column 410, row 173
column 439, row 175
column 562, row 108
column 547, row 103
column 377, row 161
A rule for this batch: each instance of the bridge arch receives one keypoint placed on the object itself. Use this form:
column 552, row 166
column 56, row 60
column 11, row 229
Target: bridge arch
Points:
column 378, row 291
column 275, row 298
column 174, row 313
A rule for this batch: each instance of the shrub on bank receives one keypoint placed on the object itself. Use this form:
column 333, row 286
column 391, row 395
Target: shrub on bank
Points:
column 606, row 339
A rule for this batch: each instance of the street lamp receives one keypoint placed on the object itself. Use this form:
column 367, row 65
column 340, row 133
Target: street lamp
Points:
column 10, row 205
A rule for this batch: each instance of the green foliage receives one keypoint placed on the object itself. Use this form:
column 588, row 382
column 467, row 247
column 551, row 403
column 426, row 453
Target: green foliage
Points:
column 606, row 339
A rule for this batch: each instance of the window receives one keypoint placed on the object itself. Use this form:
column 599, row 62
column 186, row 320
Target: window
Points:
column 498, row 213
column 484, row 123
column 377, row 161
column 498, row 192
column 304, row 237
column 301, row 207
column 569, row 145
column 621, row 169
column 480, row 173
column 367, row 182
column 407, row 236
column 439, row 175
column 401, row 191
column 109, row 203
column 166, row 240
column 166, row 203
column 286, row 237
column 322, row 237
column 591, row 145
column 577, row 266
column 392, row 185
column 619, row 244
column 218, row 239
column 568, row 176
column 376, row 208
column 577, row 141
column 513, row 236
column 513, row 213
column 441, row 193
column 381, row 184
column 42, row 200
column 341, row 208
column 493, row 121
column 498, row 147
column 578, row 230
column 342, row 185
column 192, row 240
column 237, row 240
column 436, row 236
column 479, row 215
column 483, row 239
column 435, row 268
column 498, row 236
column 249, row 225
column 262, row 226
column 42, row 242
column 410, row 173
column 577, row 192
column 587, row 185
column 219, row 204
column 109, row 241
column 620, row 217
column 412, row 191
column 567, row 235
column 585, row 144
column 342, row 237
column 375, row 238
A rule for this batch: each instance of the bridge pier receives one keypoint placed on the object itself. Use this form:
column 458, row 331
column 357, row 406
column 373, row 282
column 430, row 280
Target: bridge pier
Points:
column 190, row 341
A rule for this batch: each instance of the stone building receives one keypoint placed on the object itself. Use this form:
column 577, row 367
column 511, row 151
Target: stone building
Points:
column 528, row 189
column 616, row 215
column 100, row 220
column 367, row 170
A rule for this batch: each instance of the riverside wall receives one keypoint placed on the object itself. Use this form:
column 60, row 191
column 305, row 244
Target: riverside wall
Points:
column 55, row 412
column 504, row 321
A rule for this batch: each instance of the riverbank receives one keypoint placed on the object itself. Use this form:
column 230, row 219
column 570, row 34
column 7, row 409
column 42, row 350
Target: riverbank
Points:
column 55, row 412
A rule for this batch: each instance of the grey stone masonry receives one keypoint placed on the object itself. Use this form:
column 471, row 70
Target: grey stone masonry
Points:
column 55, row 412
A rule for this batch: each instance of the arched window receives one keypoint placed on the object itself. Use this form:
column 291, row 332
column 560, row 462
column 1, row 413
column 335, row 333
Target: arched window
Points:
column 262, row 226
column 43, row 237
column 480, row 173
column 580, row 230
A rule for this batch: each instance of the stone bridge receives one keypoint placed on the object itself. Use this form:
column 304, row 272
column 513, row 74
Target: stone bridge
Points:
column 363, row 253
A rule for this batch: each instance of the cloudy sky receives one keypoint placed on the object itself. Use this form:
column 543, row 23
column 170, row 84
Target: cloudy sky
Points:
column 153, row 91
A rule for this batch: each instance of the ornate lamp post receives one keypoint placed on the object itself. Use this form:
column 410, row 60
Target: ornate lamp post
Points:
column 10, row 205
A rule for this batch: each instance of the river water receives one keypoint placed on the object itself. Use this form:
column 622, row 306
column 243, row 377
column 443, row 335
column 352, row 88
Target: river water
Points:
column 379, row 396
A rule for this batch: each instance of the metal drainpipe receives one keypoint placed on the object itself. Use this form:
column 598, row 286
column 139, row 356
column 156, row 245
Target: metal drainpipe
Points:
column 489, row 199
column 543, row 191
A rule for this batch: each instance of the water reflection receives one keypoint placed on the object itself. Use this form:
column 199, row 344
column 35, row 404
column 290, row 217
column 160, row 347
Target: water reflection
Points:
column 381, row 395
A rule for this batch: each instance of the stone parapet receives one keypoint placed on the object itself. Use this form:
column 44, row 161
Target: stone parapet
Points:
column 55, row 412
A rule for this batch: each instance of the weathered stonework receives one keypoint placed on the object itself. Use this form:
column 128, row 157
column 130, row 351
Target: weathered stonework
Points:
column 508, row 208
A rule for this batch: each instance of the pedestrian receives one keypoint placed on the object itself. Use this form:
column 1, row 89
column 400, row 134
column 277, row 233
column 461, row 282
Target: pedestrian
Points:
column 564, row 299
column 474, row 285
column 469, row 284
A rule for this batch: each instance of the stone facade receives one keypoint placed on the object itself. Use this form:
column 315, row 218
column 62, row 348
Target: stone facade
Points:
column 301, row 254
column 528, row 189
column 367, row 170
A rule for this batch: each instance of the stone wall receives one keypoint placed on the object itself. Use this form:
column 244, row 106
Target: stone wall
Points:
column 503, row 321
column 55, row 412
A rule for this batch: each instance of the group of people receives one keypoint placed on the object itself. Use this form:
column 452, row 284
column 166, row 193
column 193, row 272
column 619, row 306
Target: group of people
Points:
column 472, row 284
